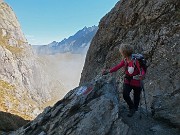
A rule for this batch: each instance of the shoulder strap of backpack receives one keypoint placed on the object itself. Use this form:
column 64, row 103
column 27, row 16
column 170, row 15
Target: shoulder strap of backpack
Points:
column 136, row 64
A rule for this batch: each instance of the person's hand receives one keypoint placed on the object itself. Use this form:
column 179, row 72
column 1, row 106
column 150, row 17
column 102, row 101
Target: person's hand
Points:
column 105, row 72
column 141, row 77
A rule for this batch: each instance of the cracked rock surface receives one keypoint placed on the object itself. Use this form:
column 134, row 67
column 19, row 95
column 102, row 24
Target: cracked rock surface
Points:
column 153, row 28
column 98, row 112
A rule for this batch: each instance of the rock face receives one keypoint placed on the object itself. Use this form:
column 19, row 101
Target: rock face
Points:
column 96, row 111
column 10, row 122
column 24, row 86
column 166, row 108
column 152, row 28
column 78, row 43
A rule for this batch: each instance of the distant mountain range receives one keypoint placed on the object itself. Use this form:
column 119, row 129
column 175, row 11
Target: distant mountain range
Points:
column 78, row 43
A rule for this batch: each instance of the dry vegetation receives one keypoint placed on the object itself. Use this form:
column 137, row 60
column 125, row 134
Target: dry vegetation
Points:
column 9, row 101
column 13, row 49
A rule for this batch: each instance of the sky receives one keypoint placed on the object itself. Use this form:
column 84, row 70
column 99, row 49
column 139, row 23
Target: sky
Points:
column 44, row 21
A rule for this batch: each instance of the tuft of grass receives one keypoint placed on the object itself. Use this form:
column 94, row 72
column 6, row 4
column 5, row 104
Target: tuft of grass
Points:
column 6, row 85
column 14, row 50
column 20, row 42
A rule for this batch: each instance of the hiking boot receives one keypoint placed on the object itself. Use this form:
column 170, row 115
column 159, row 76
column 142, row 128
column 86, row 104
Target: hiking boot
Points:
column 131, row 112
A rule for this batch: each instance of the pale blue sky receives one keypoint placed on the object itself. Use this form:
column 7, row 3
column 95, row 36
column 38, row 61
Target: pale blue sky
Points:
column 44, row 21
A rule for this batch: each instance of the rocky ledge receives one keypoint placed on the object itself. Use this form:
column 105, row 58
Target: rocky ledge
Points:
column 93, row 109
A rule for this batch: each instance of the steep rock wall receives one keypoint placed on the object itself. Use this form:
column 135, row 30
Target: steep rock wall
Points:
column 24, row 85
column 153, row 28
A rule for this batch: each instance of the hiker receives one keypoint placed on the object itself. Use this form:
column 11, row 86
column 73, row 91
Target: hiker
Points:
column 132, row 79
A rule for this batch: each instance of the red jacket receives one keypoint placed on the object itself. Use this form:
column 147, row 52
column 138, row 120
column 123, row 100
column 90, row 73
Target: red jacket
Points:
column 125, row 64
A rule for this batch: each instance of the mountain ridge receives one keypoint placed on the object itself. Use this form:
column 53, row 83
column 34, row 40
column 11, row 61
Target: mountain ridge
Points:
column 78, row 43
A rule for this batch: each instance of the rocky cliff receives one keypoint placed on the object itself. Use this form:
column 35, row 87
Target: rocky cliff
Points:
column 153, row 29
column 93, row 109
column 24, row 85
column 9, row 122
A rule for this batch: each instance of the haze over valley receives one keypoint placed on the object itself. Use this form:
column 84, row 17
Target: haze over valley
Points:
column 64, row 67
column 64, row 60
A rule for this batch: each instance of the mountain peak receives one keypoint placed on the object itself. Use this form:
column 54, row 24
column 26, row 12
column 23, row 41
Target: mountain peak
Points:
column 89, row 28
column 85, row 27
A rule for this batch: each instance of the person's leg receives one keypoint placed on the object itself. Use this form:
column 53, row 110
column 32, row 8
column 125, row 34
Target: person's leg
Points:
column 126, row 95
column 137, row 94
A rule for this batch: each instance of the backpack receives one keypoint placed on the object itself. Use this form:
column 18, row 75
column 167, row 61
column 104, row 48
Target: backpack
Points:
column 141, row 59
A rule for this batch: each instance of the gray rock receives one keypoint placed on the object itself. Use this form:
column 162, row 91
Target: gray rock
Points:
column 42, row 133
column 83, row 114
column 152, row 28
column 156, row 128
column 165, row 108
column 98, row 112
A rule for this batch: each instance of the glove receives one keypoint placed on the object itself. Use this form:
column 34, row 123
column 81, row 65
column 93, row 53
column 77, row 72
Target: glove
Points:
column 105, row 72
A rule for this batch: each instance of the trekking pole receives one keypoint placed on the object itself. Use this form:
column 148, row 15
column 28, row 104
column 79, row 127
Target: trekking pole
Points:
column 140, row 109
column 142, row 86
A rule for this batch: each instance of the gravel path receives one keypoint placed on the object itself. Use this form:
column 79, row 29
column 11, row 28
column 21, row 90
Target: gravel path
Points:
column 146, row 125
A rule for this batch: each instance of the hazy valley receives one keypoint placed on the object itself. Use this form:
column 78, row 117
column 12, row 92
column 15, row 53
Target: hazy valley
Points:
column 65, row 68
